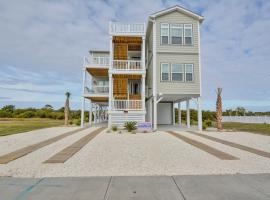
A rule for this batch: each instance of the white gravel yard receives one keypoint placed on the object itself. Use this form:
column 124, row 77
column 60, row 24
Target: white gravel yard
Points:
column 16, row 141
column 113, row 154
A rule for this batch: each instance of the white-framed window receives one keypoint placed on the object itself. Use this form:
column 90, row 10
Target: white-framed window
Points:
column 189, row 72
column 165, row 72
column 176, row 33
column 188, row 34
column 177, row 72
column 164, row 33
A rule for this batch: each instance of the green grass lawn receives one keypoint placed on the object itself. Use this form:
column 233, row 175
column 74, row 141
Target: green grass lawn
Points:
column 253, row 128
column 13, row 126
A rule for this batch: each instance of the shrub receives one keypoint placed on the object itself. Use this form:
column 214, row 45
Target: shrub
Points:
column 76, row 122
column 204, row 126
column 5, row 114
column 41, row 114
column 114, row 128
column 130, row 126
column 208, row 123
column 27, row 114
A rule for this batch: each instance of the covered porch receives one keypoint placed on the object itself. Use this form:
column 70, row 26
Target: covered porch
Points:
column 162, row 111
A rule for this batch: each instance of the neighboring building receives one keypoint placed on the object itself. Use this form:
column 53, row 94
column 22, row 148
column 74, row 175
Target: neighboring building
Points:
column 147, row 70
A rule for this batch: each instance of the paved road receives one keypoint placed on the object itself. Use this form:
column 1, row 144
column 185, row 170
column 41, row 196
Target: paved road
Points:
column 205, row 187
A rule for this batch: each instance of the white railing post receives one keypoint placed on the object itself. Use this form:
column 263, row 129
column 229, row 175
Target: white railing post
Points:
column 143, row 54
column 143, row 92
column 111, row 53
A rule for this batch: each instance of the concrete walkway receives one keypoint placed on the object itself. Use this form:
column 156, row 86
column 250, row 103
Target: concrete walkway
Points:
column 200, row 187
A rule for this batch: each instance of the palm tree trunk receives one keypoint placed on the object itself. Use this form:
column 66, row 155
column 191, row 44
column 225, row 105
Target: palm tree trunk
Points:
column 66, row 111
column 219, row 109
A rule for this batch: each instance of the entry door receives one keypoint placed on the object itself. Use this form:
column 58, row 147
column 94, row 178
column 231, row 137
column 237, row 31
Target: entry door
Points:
column 164, row 113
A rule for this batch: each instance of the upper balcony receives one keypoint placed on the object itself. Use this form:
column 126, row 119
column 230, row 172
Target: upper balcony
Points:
column 97, row 63
column 126, row 29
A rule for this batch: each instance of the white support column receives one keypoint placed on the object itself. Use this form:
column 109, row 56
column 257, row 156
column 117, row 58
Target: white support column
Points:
column 154, row 76
column 179, row 114
column 143, row 91
column 83, row 99
column 173, row 113
column 151, row 111
column 110, row 91
column 188, row 114
column 99, row 114
column 199, row 111
column 111, row 51
column 82, row 112
column 95, row 114
column 155, row 113
column 90, row 113
column 143, row 53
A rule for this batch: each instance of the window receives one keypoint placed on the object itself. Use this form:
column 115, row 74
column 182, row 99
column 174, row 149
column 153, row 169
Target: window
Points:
column 164, row 33
column 188, row 34
column 189, row 72
column 165, row 72
column 177, row 72
column 176, row 33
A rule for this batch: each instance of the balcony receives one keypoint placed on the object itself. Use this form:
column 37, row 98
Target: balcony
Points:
column 127, row 105
column 117, row 28
column 127, row 65
column 97, row 61
column 97, row 90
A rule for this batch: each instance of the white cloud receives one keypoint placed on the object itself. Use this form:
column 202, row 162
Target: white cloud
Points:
column 45, row 41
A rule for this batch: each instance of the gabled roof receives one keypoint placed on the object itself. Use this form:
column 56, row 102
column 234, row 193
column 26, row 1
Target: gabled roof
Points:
column 179, row 9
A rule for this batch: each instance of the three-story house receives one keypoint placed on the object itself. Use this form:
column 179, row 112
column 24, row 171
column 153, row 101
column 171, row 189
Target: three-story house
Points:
column 147, row 70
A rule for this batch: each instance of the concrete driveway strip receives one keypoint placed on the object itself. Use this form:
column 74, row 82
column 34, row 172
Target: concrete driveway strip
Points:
column 26, row 150
column 215, row 152
column 217, row 187
column 143, row 188
column 69, row 151
column 234, row 145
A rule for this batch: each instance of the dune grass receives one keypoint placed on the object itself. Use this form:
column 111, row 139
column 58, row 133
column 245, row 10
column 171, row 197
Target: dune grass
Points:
column 16, row 125
column 248, row 127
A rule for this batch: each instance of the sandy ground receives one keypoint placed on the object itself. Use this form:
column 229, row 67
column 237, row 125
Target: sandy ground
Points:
column 112, row 154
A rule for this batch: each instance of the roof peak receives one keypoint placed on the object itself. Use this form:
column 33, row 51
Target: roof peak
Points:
column 179, row 9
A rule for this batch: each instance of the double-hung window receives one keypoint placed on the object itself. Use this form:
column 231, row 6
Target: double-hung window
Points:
column 189, row 72
column 164, row 33
column 188, row 34
column 176, row 33
column 165, row 72
column 177, row 72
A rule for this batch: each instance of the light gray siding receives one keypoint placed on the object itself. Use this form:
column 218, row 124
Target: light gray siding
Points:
column 178, row 87
column 177, row 17
column 149, row 74
column 181, row 54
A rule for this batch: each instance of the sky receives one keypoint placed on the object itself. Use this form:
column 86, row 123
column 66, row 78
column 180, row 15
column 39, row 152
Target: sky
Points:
column 43, row 42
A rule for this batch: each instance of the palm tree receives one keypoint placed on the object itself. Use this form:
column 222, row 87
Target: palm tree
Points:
column 219, row 109
column 67, row 108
